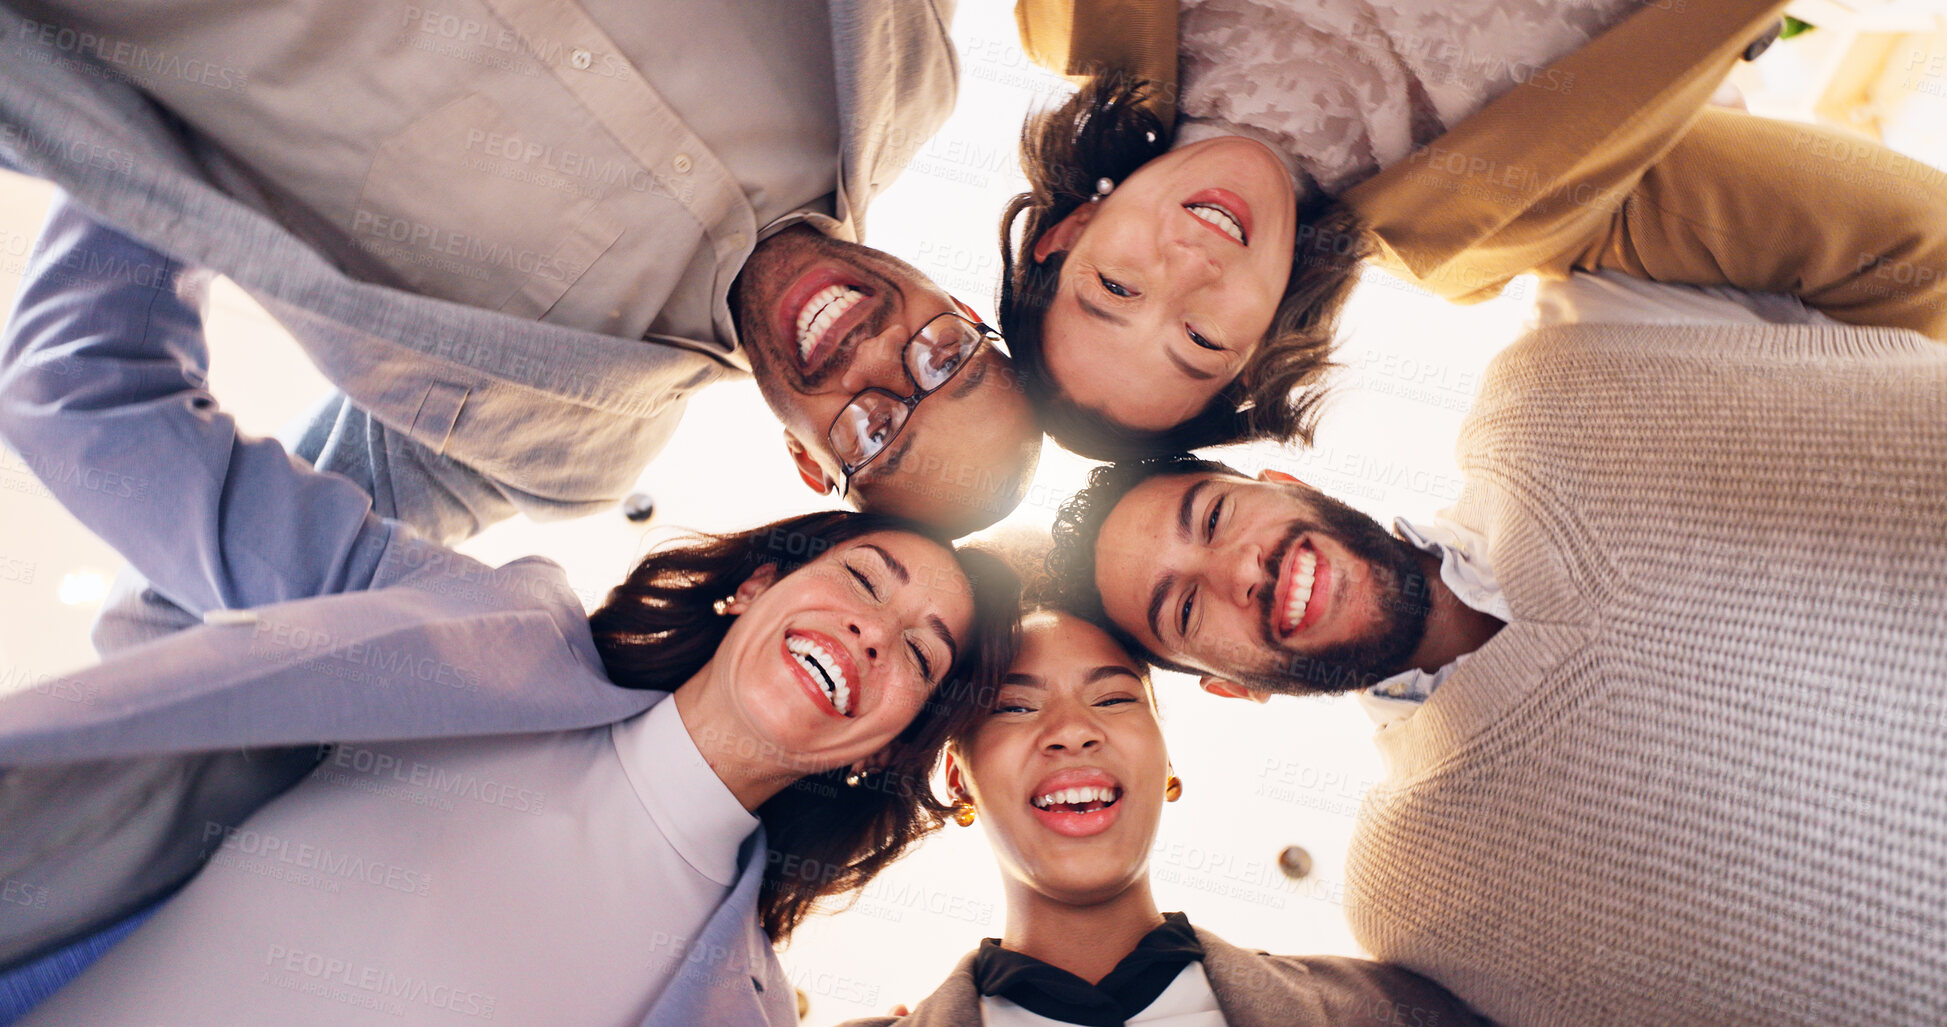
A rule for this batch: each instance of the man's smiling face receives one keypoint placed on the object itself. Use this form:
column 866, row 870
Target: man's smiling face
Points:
column 822, row 319
column 1270, row 584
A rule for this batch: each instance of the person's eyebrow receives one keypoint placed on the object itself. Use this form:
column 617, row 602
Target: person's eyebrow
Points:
column 1168, row 581
column 892, row 563
column 1018, row 678
column 1109, row 671
column 1156, row 597
column 1185, row 367
column 971, row 380
column 1185, row 508
column 940, row 628
column 1100, row 314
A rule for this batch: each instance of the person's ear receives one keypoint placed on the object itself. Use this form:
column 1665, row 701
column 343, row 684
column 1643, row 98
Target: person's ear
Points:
column 1279, row 476
column 759, row 582
column 1061, row 238
column 1233, row 690
column 809, row 471
column 956, row 784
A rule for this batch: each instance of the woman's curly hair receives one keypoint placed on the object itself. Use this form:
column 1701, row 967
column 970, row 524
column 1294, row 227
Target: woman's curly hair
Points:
column 1108, row 129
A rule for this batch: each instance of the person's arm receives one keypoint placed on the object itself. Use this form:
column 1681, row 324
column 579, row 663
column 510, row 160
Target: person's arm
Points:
column 1362, row 992
column 1852, row 228
column 102, row 394
column 1544, row 167
column 1080, row 38
column 1609, row 158
column 437, row 497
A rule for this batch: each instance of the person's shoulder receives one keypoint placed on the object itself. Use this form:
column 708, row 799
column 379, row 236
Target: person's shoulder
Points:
column 1098, row 37
column 955, row 1003
column 1345, row 988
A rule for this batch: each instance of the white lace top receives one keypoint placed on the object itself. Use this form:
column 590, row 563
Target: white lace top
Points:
column 1345, row 88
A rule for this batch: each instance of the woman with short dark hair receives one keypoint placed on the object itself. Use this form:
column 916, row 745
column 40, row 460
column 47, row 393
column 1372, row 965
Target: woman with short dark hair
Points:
column 1068, row 772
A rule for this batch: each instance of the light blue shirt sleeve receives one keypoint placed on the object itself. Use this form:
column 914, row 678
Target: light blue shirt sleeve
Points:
column 102, row 394
column 102, row 391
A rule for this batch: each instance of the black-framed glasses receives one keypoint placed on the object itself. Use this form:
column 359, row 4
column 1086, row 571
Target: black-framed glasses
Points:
column 874, row 418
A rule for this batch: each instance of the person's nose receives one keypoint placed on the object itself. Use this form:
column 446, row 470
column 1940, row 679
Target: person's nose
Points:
column 1243, row 572
column 1070, row 727
column 873, row 636
column 876, row 361
column 1189, row 263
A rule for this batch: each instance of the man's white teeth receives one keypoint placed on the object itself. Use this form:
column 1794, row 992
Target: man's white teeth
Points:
column 1077, row 797
column 1220, row 217
column 825, row 669
column 820, row 311
column 1302, row 573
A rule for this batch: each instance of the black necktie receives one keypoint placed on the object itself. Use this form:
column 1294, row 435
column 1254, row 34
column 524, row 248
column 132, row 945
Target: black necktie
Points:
column 1059, row 995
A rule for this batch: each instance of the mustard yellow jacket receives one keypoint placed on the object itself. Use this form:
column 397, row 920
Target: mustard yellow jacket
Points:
column 1614, row 160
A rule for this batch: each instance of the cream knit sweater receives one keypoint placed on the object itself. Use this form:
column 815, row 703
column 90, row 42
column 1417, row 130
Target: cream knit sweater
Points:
column 1701, row 777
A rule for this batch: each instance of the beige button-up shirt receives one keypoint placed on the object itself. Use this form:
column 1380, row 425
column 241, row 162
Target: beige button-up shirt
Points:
column 606, row 165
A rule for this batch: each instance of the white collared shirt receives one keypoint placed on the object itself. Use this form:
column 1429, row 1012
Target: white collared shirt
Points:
column 1466, row 573
column 1187, row 1002
column 1612, row 297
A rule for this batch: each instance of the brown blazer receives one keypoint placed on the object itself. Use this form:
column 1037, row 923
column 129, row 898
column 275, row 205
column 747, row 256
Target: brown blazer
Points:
column 1254, row 989
column 1611, row 160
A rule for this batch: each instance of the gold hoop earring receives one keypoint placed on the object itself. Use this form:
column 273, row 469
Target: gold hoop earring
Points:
column 1173, row 790
column 722, row 606
column 963, row 813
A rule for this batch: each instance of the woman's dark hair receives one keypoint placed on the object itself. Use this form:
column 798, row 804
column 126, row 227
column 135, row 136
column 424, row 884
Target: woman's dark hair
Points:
column 826, row 839
column 1107, row 129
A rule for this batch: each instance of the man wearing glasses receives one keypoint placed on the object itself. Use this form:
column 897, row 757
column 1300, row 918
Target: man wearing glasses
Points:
column 889, row 392
column 508, row 231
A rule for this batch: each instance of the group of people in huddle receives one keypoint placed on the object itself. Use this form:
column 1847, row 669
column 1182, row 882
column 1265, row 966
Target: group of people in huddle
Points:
column 1662, row 698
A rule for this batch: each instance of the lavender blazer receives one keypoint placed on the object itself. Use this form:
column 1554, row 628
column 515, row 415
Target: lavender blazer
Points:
column 326, row 623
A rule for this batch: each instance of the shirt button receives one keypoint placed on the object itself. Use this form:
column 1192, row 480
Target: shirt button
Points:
column 683, row 163
column 580, row 59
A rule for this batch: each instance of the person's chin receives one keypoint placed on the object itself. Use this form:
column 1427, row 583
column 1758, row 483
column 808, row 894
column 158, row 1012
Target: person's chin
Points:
column 1092, row 883
column 783, row 389
column 1339, row 669
column 882, row 494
